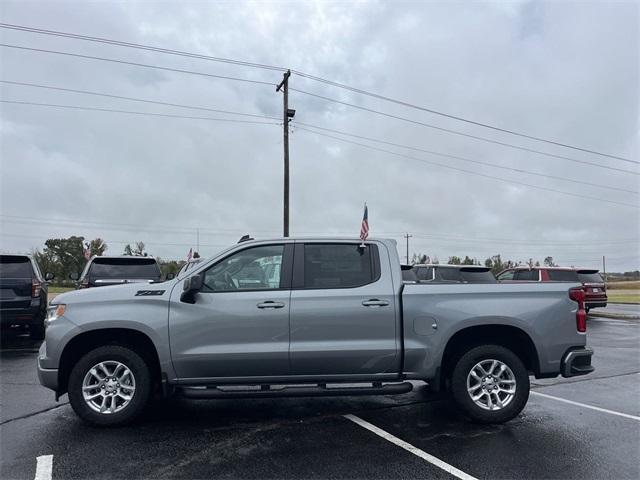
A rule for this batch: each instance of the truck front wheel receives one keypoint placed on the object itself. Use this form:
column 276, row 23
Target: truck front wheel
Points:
column 109, row 386
column 490, row 384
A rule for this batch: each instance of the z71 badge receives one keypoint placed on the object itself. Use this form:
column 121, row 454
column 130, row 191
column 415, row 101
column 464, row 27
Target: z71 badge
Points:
column 149, row 293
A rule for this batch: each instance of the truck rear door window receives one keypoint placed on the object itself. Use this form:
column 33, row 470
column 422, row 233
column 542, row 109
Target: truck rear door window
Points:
column 562, row 275
column 12, row 266
column 339, row 265
column 124, row 268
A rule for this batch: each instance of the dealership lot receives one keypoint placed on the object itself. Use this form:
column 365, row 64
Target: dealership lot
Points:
column 594, row 435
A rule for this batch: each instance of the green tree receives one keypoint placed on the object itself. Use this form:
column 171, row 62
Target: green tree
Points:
column 454, row 260
column 96, row 246
column 469, row 261
column 548, row 262
column 137, row 250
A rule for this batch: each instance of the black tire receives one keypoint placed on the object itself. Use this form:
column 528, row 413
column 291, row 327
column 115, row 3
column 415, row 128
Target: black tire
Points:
column 140, row 397
column 463, row 398
column 36, row 332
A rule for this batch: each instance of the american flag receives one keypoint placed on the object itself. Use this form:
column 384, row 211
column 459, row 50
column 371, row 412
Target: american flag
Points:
column 190, row 255
column 87, row 253
column 364, row 228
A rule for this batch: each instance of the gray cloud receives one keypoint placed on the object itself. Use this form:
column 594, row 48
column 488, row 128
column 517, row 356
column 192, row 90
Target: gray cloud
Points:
column 562, row 71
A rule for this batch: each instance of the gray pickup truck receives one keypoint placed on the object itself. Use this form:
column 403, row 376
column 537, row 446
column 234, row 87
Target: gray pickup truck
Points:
column 309, row 317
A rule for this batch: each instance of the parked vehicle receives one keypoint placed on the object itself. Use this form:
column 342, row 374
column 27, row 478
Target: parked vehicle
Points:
column 338, row 314
column 103, row 271
column 453, row 273
column 23, row 295
column 591, row 280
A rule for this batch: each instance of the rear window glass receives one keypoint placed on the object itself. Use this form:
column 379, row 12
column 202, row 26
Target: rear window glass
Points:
column 337, row 265
column 562, row 275
column 477, row 276
column 591, row 277
column 15, row 267
column 409, row 275
column 449, row 274
column 527, row 275
column 424, row 273
column 124, row 268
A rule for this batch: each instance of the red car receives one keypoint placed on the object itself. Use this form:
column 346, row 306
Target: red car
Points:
column 592, row 282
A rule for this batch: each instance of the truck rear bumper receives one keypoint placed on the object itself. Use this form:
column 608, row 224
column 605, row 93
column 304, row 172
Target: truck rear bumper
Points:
column 577, row 362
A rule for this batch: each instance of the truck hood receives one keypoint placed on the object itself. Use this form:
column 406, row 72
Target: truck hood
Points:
column 127, row 291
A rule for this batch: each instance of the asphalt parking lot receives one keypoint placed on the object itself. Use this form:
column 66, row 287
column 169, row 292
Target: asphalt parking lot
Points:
column 586, row 427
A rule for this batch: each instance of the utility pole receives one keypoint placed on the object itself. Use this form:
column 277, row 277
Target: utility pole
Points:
column 287, row 114
column 198, row 240
column 407, row 236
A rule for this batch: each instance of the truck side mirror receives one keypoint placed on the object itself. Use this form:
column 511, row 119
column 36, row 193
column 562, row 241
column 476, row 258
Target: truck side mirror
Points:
column 49, row 276
column 170, row 276
column 190, row 287
column 74, row 276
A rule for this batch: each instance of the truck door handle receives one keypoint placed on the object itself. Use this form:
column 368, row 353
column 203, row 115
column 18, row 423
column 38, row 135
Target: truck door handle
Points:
column 374, row 302
column 270, row 304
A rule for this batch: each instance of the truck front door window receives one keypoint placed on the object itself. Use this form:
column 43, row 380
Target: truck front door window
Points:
column 255, row 268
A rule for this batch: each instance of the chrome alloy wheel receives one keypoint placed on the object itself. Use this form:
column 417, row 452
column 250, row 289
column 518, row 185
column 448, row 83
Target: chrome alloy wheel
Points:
column 491, row 384
column 108, row 387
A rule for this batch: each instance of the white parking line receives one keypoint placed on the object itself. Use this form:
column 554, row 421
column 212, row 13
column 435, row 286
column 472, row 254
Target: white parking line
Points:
column 591, row 407
column 410, row 448
column 44, row 467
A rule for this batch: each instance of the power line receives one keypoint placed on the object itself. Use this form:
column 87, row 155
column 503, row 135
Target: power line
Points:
column 455, row 117
column 191, row 72
column 134, row 99
column 122, row 242
column 304, row 75
column 431, row 152
column 511, row 182
column 229, row 232
column 129, row 112
column 139, row 46
column 456, row 132
column 136, row 64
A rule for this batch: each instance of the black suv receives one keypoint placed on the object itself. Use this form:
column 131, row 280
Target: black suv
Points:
column 23, row 295
column 103, row 271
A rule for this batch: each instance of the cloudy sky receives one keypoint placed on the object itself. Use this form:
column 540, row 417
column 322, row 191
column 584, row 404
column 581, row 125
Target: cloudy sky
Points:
column 563, row 71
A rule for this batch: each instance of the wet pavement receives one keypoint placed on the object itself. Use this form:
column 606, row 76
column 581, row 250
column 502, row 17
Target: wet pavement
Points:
column 596, row 436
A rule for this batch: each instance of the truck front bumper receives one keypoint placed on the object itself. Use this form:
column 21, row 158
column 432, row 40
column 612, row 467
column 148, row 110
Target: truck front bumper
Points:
column 577, row 362
column 48, row 376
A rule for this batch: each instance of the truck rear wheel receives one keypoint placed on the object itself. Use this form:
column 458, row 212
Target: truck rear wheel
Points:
column 490, row 384
column 109, row 386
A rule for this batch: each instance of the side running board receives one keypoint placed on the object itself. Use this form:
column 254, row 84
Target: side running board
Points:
column 270, row 391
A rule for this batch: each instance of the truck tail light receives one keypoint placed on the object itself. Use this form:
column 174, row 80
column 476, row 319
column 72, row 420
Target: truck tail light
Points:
column 578, row 295
column 36, row 287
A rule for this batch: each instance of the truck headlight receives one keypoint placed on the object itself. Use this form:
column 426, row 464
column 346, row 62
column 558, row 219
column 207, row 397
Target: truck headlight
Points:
column 55, row 311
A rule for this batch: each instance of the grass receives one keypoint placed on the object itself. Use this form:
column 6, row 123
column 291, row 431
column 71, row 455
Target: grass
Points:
column 58, row 290
column 631, row 297
column 627, row 285
column 54, row 291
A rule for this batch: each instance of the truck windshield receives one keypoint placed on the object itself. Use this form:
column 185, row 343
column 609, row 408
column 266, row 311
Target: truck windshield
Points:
column 124, row 268
column 13, row 266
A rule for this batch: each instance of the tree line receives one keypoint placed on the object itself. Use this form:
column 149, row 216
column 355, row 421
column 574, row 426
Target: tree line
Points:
column 495, row 262
column 64, row 256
